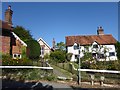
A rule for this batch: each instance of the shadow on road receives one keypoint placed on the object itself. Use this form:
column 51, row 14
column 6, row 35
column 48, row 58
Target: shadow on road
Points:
column 17, row 85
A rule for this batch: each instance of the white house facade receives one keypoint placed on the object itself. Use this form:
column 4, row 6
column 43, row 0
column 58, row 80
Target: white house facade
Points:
column 102, row 46
column 45, row 48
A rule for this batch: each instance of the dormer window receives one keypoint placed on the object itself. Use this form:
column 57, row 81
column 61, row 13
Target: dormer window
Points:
column 76, row 46
column 95, row 46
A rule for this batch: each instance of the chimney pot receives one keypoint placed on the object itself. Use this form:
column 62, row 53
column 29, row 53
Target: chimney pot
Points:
column 9, row 7
column 100, row 27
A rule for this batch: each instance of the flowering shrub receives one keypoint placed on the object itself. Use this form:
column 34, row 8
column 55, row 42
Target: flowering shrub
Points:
column 7, row 60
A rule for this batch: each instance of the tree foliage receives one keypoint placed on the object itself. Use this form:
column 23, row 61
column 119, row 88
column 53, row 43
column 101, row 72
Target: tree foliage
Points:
column 33, row 48
column 118, row 49
column 87, row 56
column 23, row 33
column 58, row 56
column 60, row 46
column 8, row 60
column 68, row 56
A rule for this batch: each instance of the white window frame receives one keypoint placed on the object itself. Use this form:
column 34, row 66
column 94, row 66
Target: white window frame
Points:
column 17, row 56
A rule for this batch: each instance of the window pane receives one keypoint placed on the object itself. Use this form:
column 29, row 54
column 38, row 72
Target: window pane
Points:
column 76, row 56
column 95, row 46
column 14, row 55
column 76, row 47
column 111, row 54
column 18, row 55
column 101, row 56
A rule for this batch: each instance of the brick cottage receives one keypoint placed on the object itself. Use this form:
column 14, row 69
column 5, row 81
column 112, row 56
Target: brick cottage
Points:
column 10, row 42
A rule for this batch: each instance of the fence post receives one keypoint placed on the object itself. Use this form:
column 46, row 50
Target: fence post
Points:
column 102, row 78
column 92, row 76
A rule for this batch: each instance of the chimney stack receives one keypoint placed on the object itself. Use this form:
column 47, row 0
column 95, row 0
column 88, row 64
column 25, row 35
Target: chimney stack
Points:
column 8, row 15
column 53, row 43
column 100, row 31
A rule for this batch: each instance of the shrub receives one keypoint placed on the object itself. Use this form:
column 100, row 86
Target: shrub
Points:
column 109, row 65
column 75, row 77
column 51, row 78
column 58, row 56
column 117, row 46
column 68, row 56
column 7, row 60
column 33, row 49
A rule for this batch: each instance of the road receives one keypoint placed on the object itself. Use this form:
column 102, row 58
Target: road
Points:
column 7, row 84
column 57, row 86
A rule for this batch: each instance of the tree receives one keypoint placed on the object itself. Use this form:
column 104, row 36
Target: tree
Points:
column 58, row 56
column 117, row 46
column 33, row 49
column 24, row 34
column 60, row 46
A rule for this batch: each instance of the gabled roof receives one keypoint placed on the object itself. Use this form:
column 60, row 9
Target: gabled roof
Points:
column 89, row 39
column 40, row 39
column 5, row 25
column 22, row 42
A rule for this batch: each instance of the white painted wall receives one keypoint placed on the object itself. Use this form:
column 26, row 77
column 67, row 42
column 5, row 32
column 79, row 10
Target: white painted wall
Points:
column 109, row 48
column 46, row 48
column 70, row 49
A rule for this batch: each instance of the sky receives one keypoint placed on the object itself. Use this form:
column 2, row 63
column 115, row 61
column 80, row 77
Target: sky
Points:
column 56, row 20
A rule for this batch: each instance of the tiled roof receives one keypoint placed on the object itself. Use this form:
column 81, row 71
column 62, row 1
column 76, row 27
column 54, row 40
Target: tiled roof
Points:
column 89, row 39
column 5, row 25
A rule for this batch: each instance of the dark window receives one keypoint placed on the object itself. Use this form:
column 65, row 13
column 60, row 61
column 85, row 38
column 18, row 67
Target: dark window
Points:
column 18, row 55
column 111, row 53
column 42, row 50
column 95, row 46
column 94, row 54
column 14, row 55
column 76, row 47
column 101, row 56
column 76, row 56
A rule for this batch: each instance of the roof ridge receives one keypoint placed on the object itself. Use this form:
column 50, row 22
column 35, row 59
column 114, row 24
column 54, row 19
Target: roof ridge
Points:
column 88, row 35
column 88, row 39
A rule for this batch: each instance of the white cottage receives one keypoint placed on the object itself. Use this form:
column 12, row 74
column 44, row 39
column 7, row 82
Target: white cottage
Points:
column 45, row 48
column 100, row 45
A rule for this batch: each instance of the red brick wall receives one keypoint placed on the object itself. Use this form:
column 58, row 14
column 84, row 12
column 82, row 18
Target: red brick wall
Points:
column 5, row 44
column 17, row 49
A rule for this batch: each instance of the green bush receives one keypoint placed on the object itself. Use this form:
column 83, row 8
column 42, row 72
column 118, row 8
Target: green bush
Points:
column 8, row 60
column 117, row 46
column 58, row 56
column 68, row 56
column 75, row 77
column 108, row 65
column 51, row 78
column 33, row 49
